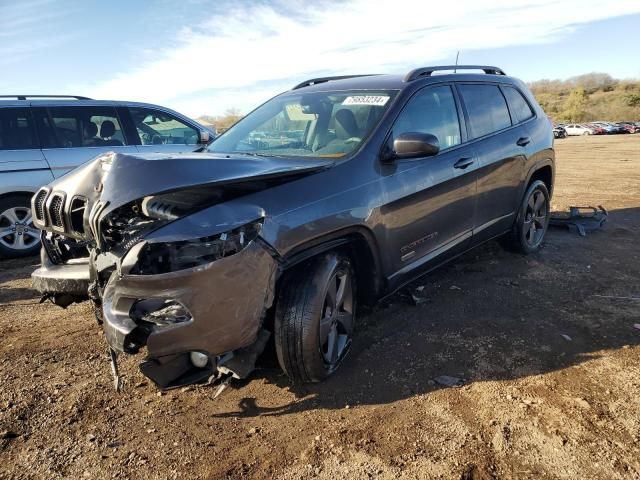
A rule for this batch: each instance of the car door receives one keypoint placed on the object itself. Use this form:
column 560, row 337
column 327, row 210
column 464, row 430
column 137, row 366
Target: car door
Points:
column 160, row 131
column 72, row 135
column 430, row 201
column 501, row 150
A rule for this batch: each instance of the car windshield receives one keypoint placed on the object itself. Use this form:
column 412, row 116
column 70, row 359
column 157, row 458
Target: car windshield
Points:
column 320, row 124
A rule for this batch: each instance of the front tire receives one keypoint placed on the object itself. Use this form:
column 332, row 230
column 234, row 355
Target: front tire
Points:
column 532, row 221
column 18, row 236
column 314, row 318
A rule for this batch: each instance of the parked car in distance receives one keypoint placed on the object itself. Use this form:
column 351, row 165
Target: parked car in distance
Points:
column 43, row 137
column 374, row 181
column 630, row 127
column 577, row 129
column 559, row 132
column 611, row 128
column 597, row 130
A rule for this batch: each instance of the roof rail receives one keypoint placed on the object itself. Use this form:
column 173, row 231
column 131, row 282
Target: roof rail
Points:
column 315, row 81
column 25, row 97
column 427, row 71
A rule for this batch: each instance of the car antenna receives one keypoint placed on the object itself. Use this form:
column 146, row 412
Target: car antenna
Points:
column 455, row 70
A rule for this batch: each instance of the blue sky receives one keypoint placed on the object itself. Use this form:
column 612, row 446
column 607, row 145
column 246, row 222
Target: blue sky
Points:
column 202, row 57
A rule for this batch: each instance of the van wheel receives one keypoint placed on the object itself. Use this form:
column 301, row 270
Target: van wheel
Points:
column 532, row 221
column 18, row 236
column 315, row 316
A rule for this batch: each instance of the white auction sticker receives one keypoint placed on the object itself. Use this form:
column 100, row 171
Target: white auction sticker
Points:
column 376, row 100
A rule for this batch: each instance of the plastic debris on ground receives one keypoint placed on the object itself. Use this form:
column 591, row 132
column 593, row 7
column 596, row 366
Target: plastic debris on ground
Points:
column 580, row 219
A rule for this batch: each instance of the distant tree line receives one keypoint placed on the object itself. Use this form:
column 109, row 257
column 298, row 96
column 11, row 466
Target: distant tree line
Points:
column 593, row 96
column 224, row 121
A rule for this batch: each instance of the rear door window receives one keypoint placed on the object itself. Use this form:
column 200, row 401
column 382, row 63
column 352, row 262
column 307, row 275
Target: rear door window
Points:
column 486, row 107
column 84, row 127
column 160, row 128
column 16, row 129
column 431, row 110
column 518, row 105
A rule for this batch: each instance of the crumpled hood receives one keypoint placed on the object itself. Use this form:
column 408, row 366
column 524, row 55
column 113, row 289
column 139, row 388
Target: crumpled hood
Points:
column 116, row 179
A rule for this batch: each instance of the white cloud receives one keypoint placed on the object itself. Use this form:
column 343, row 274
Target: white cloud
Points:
column 24, row 30
column 247, row 53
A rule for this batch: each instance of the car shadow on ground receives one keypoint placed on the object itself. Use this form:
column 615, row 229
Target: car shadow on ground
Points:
column 17, row 269
column 491, row 315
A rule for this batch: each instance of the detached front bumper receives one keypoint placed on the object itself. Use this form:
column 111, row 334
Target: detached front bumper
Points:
column 226, row 300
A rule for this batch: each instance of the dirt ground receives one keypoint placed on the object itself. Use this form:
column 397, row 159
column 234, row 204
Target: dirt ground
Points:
column 545, row 344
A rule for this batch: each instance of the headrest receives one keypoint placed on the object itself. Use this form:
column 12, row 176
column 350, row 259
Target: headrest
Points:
column 90, row 130
column 346, row 120
column 107, row 129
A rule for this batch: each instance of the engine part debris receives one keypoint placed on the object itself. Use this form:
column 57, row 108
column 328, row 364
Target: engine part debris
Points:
column 223, row 385
column 580, row 219
column 117, row 379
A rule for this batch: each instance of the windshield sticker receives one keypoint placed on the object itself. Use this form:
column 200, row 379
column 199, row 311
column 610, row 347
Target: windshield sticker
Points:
column 375, row 100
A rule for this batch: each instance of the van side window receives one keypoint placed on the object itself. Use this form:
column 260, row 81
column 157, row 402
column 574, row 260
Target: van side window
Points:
column 159, row 128
column 86, row 127
column 16, row 129
column 518, row 105
column 432, row 110
column 486, row 107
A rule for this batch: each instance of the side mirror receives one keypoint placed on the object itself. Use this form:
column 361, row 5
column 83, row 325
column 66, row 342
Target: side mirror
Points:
column 204, row 137
column 415, row 144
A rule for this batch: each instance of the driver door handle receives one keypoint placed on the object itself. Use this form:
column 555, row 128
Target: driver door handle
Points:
column 463, row 163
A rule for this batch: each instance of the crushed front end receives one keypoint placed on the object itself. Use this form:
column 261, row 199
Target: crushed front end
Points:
column 184, row 275
column 194, row 304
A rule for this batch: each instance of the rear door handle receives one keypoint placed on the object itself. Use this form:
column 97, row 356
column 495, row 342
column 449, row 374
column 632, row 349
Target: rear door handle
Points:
column 463, row 163
column 523, row 141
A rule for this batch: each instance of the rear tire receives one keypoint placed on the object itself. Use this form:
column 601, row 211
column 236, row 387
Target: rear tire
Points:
column 18, row 236
column 532, row 221
column 314, row 318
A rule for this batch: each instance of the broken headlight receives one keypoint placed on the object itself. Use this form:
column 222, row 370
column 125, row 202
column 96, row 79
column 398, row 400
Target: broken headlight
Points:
column 160, row 312
column 155, row 258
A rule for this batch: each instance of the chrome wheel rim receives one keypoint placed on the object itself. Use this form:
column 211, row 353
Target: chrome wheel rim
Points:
column 336, row 324
column 535, row 218
column 16, row 229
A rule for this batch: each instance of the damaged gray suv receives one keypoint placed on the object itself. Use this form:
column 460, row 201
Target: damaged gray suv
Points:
column 328, row 196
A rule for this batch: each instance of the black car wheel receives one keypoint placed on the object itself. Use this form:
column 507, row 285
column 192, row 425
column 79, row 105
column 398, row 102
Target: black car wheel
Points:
column 18, row 236
column 315, row 317
column 532, row 221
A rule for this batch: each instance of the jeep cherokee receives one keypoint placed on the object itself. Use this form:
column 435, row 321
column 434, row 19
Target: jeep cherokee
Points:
column 328, row 196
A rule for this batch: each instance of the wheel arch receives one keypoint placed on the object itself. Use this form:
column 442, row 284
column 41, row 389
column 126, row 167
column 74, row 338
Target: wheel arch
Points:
column 359, row 244
column 544, row 171
column 22, row 193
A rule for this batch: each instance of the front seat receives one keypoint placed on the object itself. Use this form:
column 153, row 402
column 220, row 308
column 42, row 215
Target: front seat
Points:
column 346, row 125
column 347, row 134
column 107, row 130
column 90, row 135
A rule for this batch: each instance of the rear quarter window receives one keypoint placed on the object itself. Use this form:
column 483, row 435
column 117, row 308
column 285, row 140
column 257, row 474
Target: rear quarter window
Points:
column 486, row 107
column 518, row 105
column 16, row 129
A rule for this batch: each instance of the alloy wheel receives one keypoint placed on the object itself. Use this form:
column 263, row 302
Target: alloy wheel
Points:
column 535, row 218
column 336, row 324
column 16, row 229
